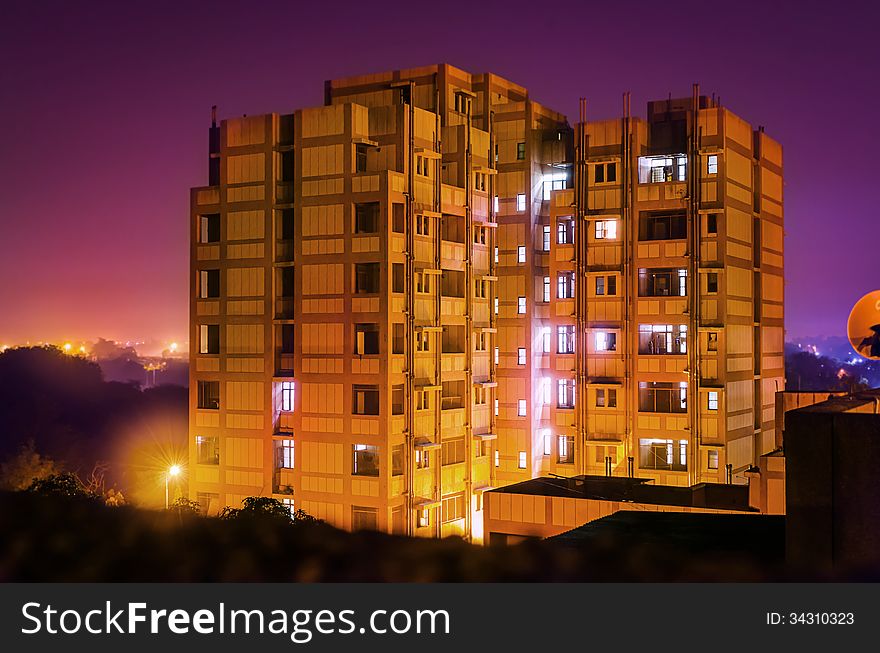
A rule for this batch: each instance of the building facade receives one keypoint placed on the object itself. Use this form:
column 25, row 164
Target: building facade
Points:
column 400, row 299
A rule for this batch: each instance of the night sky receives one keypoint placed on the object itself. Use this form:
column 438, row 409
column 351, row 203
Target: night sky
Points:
column 105, row 109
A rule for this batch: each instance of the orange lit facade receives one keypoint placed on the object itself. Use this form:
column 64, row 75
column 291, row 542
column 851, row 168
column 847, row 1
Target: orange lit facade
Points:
column 390, row 316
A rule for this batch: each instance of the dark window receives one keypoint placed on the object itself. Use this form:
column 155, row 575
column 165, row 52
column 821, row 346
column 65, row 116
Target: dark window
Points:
column 663, row 226
column 712, row 223
column 564, row 231
column 365, row 400
column 360, row 158
column 712, row 282
column 611, row 172
column 452, row 451
column 397, row 340
column 397, row 400
column 209, row 339
column 364, row 519
column 663, row 454
column 287, row 224
column 397, row 218
column 214, row 171
column 366, row 339
column 661, row 397
column 287, row 339
column 520, row 151
column 599, row 173
column 209, row 228
column 366, row 218
column 365, row 460
column 287, row 288
column 398, row 277
column 663, row 282
column 612, row 286
column 209, row 395
column 209, row 284
column 397, row 460
column 366, row 278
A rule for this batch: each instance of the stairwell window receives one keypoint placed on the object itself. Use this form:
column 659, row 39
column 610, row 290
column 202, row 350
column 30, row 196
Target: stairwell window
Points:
column 712, row 400
column 521, row 356
column 287, row 396
column 546, row 295
column 521, row 408
column 520, row 151
column 548, row 442
column 521, row 202
column 521, row 460
column 521, row 254
column 712, row 283
column 284, row 454
column 545, row 242
column 521, row 305
column 712, row 164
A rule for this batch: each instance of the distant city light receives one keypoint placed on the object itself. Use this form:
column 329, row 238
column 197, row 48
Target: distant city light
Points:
column 174, row 470
column 173, row 346
column 67, row 347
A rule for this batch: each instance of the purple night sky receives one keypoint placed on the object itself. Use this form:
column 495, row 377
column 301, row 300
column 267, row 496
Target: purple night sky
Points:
column 105, row 108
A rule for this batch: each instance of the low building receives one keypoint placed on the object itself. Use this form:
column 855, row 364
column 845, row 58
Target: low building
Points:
column 547, row 506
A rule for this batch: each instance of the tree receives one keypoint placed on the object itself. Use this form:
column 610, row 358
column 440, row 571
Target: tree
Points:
column 183, row 506
column 265, row 508
column 60, row 485
column 25, row 467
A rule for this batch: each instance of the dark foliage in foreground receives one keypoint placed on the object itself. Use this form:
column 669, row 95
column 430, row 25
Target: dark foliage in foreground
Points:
column 47, row 538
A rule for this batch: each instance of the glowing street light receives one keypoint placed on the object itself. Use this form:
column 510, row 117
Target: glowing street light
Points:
column 67, row 347
column 173, row 472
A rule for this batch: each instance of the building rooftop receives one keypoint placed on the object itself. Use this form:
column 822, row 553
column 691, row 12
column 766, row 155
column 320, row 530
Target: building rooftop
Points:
column 867, row 401
column 715, row 496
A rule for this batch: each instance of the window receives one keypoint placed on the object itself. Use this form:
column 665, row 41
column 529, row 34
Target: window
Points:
column 661, row 339
column 423, row 225
column 423, row 341
column 521, row 408
column 398, row 277
column 662, row 282
column 664, row 168
column 397, row 338
column 479, row 181
column 712, row 283
column 521, row 202
column 555, row 181
column 521, row 254
column 398, row 219
column 606, row 229
column 423, row 459
column 546, row 391
column 207, row 450
column 565, row 449
column 209, row 395
column 452, row 508
column 565, row 285
column 423, row 283
column 497, row 204
column 497, row 460
column 366, row 218
column 606, row 341
column 548, row 442
column 360, row 157
column 565, row 339
column 521, row 460
column 546, row 295
column 452, row 451
column 366, row 339
column 712, row 224
column 604, row 172
column 606, row 398
column 520, row 151
column 424, row 517
column 496, row 406
column 670, row 455
column 422, row 166
column 287, row 396
column 663, row 226
column 712, row 342
column 713, row 458
column 365, row 460
column 366, row 278
column 287, row 289
column 287, row 230
column 209, row 338
column 565, row 391
column 365, row 400
column 496, row 254
column 521, row 356
column 545, row 242
column 209, row 228
column 564, row 231
column 600, row 285
column 497, row 355
column 397, row 400
column 662, row 397
column 209, row 284
column 712, row 164
column 712, row 400
column 364, row 519
column 545, row 340
column 521, row 305
column 284, row 454
column 480, row 235
column 496, row 301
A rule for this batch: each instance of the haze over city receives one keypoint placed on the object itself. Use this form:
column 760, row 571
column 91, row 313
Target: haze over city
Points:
column 119, row 140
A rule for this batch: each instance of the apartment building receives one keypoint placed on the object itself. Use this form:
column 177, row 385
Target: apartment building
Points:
column 399, row 299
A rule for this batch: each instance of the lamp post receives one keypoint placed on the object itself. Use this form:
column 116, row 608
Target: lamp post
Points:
column 173, row 472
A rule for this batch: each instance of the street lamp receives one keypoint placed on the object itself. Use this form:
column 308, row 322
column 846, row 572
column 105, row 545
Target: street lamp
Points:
column 173, row 472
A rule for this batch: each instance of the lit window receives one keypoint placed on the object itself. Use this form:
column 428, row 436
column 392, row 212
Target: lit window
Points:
column 546, row 240
column 287, row 396
column 553, row 182
column 521, row 254
column 521, row 408
column 496, row 355
column 522, row 460
column 713, row 458
column 496, row 406
column 606, row 229
column 497, row 458
column 546, row 392
column 565, row 444
column 521, row 305
column 521, row 202
column 565, row 393
column 545, row 340
column 497, row 204
column 565, row 339
column 207, row 450
column 496, row 254
column 606, row 341
column 209, row 338
column 565, row 285
column 284, row 454
column 365, row 460
column 521, row 356
column 424, row 517
column 546, row 289
column 496, row 306
column 548, row 442
column 713, row 400
column 712, row 165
